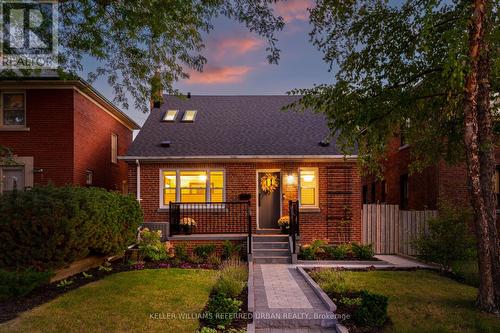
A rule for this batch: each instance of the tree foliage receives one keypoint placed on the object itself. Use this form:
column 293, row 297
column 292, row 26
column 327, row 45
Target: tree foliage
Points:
column 145, row 43
column 402, row 69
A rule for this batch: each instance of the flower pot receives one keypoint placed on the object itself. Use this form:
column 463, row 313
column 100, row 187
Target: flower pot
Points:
column 285, row 229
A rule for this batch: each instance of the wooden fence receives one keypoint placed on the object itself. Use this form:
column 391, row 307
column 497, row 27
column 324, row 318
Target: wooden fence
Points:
column 391, row 230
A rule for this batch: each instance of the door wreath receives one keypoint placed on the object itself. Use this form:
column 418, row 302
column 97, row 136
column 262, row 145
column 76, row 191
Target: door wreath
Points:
column 269, row 183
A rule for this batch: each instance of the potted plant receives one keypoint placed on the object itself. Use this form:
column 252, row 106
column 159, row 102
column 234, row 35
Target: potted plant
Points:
column 284, row 223
column 187, row 224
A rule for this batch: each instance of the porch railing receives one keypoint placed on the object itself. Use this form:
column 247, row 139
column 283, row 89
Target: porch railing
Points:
column 293, row 207
column 210, row 218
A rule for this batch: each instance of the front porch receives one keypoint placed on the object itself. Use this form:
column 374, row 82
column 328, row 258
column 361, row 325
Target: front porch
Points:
column 216, row 222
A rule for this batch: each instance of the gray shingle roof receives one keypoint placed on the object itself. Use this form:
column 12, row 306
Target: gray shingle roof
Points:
column 233, row 126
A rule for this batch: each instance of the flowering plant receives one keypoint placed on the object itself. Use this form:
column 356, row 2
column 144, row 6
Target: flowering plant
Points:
column 187, row 221
column 284, row 221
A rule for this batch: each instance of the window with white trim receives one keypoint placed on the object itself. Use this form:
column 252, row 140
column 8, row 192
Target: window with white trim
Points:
column 114, row 148
column 308, row 188
column 13, row 111
column 170, row 115
column 199, row 186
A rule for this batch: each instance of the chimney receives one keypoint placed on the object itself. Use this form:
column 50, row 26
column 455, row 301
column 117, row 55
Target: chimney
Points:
column 156, row 92
column 189, row 94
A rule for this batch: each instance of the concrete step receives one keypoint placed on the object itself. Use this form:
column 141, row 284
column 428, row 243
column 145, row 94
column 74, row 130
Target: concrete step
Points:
column 270, row 245
column 272, row 259
column 268, row 231
column 271, row 252
column 270, row 238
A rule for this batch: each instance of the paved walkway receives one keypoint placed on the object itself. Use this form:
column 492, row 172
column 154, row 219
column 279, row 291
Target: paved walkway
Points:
column 385, row 262
column 284, row 300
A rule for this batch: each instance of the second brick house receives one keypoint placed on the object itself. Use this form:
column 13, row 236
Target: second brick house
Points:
column 61, row 132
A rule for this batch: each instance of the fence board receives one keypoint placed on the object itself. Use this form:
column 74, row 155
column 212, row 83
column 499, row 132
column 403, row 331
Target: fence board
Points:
column 391, row 230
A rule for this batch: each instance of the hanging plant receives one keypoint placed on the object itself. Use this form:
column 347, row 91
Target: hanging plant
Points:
column 269, row 183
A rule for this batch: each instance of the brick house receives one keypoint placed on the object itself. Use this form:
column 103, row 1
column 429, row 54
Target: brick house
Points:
column 422, row 190
column 200, row 157
column 61, row 132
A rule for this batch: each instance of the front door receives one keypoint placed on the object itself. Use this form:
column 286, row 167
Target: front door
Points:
column 269, row 200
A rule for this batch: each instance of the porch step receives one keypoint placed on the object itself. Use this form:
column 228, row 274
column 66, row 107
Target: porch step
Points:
column 269, row 232
column 270, row 238
column 271, row 252
column 270, row 245
column 272, row 259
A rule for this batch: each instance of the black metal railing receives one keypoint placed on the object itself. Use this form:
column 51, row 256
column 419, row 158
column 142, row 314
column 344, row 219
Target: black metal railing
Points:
column 293, row 207
column 210, row 218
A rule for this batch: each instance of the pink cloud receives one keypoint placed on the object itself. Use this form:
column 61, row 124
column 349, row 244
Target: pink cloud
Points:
column 219, row 75
column 234, row 46
column 292, row 10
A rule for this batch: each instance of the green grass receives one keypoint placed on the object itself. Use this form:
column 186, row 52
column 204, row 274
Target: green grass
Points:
column 467, row 270
column 420, row 301
column 123, row 302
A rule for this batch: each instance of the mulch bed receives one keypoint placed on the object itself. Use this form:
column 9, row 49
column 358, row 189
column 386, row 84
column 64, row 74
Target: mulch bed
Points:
column 11, row 308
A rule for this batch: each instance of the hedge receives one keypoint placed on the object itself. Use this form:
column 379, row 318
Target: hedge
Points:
column 50, row 227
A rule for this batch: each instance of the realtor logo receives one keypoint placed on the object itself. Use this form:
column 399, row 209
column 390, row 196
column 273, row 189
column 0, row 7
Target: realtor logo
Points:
column 28, row 36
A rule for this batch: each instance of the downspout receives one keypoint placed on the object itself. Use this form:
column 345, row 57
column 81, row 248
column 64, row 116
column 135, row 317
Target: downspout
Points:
column 138, row 184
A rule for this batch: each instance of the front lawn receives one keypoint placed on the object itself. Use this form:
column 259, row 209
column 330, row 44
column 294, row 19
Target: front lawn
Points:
column 136, row 301
column 421, row 301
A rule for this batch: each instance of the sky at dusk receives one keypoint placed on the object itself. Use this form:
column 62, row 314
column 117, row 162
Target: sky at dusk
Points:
column 237, row 63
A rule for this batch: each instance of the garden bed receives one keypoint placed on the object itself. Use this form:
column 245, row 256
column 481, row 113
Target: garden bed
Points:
column 418, row 301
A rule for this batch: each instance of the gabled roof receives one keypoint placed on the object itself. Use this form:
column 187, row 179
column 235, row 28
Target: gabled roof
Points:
column 233, row 127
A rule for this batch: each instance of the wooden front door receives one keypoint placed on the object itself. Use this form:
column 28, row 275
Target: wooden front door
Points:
column 269, row 202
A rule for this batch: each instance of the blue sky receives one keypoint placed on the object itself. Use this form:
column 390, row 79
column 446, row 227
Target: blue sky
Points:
column 237, row 63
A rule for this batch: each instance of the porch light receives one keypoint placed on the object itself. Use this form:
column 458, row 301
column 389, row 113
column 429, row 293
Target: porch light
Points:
column 290, row 179
column 203, row 178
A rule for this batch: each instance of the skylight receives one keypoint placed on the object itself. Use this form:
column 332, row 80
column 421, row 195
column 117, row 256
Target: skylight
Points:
column 189, row 115
column 170, row 115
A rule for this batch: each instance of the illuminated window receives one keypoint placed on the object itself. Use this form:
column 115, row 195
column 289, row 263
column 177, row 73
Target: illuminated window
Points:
column 169, row 187
column 189, row 115
column 197, row 186
column 170, row 115
column 308, row 187
column 13, row 110
column 216, row 186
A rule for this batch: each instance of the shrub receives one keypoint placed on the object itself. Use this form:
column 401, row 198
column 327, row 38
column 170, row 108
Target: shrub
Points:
column 363, row 252
column 203, row 251
column 50, row 227
column 230, row 249
column 150, row 245
column 229, row 287
column 214, row 259
column 448, row 237
column 332, row 281
column 311, row 251
column 181, row 253
column 339, row 252
column 207, row 330
column 20, row 283
column 221, row 310
column 373, row 310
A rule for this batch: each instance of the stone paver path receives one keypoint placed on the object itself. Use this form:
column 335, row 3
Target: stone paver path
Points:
column 284, row 300
column 282, row 290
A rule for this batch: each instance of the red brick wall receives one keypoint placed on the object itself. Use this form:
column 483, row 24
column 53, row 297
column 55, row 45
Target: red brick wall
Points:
column 93, row 129
column 422, row 186
column 49, row 116
column 191, row 244
column 68, row 135
column 241, row 178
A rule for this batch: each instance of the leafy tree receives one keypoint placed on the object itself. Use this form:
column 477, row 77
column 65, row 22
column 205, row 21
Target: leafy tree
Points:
column 425, row 69
column 6, row 156
column 144, row 46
